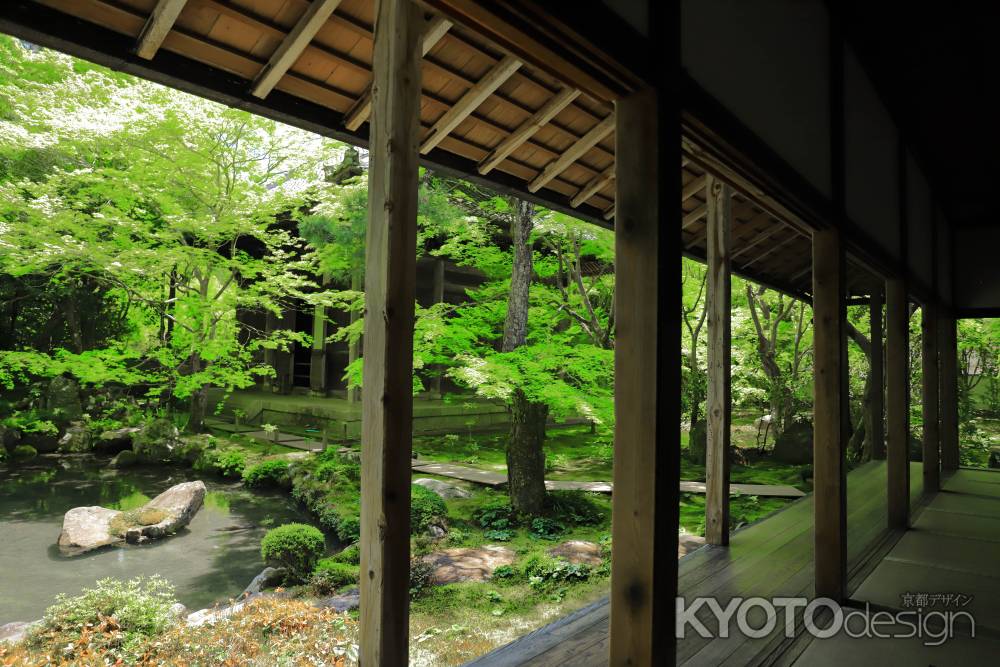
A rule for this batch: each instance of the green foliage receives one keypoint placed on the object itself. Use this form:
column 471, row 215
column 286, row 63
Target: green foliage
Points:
column 350, row 555
column 426, row 509
column 546, row 528
column 547, row 574
column 114, row 617
column 135, row 519
column 227, row 463
column 331, row 575
column 576, row 508
column 273, row 473
column 297, row 547
column 420, row 577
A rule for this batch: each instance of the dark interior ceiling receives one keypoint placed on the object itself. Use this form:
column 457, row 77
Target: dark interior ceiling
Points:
column 938, row 69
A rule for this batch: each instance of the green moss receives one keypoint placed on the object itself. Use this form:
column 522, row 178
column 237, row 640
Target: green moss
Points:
column 135, row 519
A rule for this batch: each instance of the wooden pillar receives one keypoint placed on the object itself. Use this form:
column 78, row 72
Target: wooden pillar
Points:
column 270, row 383
column 647, row 389
column 950, row 458
column 877, row 377
column 718, row 404
column 317, row 358
column 438, row 298
column 932, row 430
column 390, row 277
column 829, row 405
column 897, row 408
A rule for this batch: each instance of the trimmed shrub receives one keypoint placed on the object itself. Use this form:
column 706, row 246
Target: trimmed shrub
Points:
column 426, row 509
column 420, row 576
column 138, row 609
column 267, row 473
column 23, row 453
column 349, row 528
column 296, row 547
column 350, row 555
column 330, row 576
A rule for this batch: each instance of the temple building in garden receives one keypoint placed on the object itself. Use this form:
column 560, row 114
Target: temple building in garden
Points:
column 841, row 152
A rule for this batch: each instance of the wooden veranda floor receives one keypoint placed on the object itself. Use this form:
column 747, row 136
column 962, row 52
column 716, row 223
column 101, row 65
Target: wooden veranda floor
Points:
column 769, row 558
column 953, row 547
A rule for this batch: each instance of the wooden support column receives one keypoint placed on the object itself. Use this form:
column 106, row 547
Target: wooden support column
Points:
column 950, row 458
column 877, row 377
column 897, row 407
column 354, row 349
column 390, row 276
column 829, row 405
column 647, row 399
column 932, row 430
column 718, row 406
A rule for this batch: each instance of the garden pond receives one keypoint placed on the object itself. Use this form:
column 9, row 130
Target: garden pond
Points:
column 211, row 560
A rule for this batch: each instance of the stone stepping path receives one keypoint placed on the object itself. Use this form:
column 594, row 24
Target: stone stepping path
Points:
column 496, row 479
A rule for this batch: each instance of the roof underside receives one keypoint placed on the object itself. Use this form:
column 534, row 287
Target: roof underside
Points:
column 485, row 114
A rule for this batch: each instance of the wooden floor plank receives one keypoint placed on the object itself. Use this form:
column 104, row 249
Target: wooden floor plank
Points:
column 770, row 557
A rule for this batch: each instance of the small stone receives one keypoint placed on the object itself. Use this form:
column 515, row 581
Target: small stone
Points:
column 12, row 633
column 443, row 489
column 178, row 610
column 342, row 602
column 467, row 564
column 578, row 551
column 688, row 543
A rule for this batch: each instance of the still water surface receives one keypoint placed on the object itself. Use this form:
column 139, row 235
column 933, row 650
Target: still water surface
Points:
column 213, row 559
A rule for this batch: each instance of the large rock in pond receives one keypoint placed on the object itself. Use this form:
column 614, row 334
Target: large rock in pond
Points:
column 88, row 528
column 62, row 397
column 9, row 437
column 444, row 489
column 466, row 564
column 116, row 440
column 795, row 444
column 76, row 439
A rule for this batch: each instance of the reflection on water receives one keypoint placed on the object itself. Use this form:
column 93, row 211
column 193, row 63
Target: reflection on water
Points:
column 212, row 559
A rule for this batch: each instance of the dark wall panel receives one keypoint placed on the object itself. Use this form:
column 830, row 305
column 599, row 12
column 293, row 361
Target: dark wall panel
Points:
column 767, row 63
column 920, row 219
column 872, row 163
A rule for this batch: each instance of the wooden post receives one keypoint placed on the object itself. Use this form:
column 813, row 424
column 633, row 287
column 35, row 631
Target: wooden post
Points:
column 932, row 430
column 829, row 439
column 897, row 408
column 950, row 458
column 438, row 298
column 390, row 276
column 647, row 402
column 718, row 405
column 877, row 376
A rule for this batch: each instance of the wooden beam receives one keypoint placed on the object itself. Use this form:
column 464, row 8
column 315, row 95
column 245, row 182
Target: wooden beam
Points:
column 718, row 406
column 777, row 246
column 469, row 102
column 876, row 319
column 527, row 129
column 929, row 371
column 757, row 240
column 160, row 22
column 950, row 454
column 644, row 518
column 390, row 275
column 291, row 48
column 897, row 404
column 317, row 358
column 361, row 110
column 596, row 184
column 829, row 406
column 610, row 213
column 573, row 153
column 694, row 216
column 693, row 187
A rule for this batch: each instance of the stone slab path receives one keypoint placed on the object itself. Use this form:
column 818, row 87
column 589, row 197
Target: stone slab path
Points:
column 496, row 479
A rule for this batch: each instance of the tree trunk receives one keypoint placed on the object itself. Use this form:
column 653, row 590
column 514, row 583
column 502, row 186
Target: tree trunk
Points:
column 525, row 452
column 199, row 400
